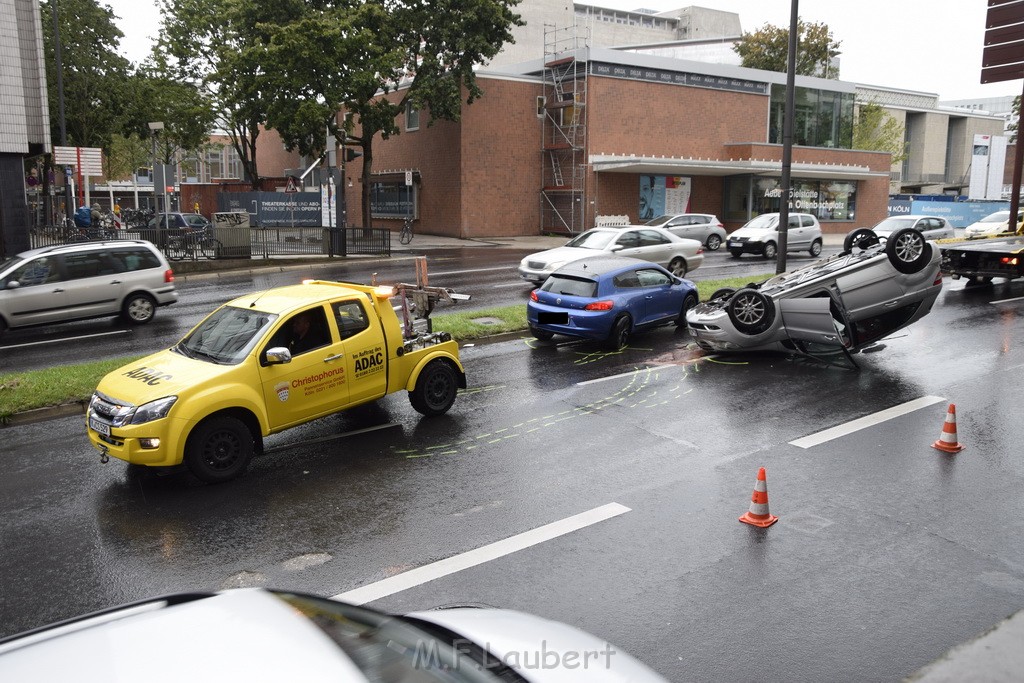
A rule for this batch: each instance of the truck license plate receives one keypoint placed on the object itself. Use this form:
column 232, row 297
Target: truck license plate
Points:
column 735, row 244
column 98, row 426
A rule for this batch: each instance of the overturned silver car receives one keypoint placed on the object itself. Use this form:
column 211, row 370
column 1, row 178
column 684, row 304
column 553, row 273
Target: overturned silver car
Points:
column 840, row 304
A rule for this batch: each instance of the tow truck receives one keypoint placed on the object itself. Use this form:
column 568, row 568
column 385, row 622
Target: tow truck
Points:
column 985, row 258
column 272, row 360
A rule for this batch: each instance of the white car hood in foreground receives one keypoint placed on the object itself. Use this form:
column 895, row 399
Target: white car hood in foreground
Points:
column 542, row 650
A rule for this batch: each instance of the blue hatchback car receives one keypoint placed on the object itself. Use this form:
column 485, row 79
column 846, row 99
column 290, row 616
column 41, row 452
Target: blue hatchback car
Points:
column 607, row 298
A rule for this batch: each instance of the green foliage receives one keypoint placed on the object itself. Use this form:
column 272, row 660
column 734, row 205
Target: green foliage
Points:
column 878, row 131
column 216, row 47
column 350, row 55
column 95, row 76
column 768, row 49
column 1015, row 126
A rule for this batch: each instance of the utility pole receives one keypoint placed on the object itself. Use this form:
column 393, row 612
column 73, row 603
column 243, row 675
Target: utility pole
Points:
column 787, row 143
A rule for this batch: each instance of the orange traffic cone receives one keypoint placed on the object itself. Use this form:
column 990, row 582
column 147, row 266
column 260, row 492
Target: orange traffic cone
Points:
column 758, row 514
column 947, row 440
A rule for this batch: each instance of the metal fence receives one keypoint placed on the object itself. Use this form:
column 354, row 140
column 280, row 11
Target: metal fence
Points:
column 247, row 243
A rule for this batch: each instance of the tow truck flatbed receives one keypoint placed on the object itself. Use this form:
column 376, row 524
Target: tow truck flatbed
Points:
column 984, row 259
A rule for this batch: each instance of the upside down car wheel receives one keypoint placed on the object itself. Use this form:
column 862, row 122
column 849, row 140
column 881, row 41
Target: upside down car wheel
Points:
column 862, row 238
column 750, row 311
column 908, row 251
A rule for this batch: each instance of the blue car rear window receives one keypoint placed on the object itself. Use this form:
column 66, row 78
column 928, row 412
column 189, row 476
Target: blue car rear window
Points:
column 573, row 286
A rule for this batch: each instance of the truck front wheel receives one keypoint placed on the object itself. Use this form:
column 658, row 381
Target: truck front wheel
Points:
column 219, row 449
column 435, row 389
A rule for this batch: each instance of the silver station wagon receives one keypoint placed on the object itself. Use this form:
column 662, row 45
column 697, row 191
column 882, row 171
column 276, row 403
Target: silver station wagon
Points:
column 837, row 305
column 130, row 278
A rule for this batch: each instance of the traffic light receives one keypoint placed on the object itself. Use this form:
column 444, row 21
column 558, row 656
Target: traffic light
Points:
column 351, row 154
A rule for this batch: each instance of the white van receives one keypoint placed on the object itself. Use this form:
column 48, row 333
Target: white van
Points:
column 130, row 278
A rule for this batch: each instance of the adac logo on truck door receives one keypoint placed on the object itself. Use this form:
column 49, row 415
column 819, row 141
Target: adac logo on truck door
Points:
column 369, row 362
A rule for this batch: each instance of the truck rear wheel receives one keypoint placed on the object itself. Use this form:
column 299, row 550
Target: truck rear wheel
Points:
column 219, row 449
column 435, row 389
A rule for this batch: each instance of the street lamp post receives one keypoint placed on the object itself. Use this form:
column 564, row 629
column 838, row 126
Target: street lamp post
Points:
column 156, row 127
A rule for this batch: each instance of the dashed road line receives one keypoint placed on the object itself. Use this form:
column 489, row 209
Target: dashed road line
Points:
column 478, row 556
column 865, row 422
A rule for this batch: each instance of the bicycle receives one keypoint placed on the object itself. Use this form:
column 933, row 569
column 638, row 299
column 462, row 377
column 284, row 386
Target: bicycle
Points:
column 406, row 235
column 193, row 244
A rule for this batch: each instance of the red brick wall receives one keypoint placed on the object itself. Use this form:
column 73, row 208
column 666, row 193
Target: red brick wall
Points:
column 650, row 119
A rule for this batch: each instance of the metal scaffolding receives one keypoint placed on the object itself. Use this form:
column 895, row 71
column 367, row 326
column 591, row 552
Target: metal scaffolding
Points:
column 564, row 144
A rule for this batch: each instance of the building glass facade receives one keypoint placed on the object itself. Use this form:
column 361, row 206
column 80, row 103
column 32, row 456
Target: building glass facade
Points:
column 821, row 118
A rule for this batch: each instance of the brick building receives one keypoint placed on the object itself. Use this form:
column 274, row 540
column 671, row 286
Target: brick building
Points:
column 555, row 143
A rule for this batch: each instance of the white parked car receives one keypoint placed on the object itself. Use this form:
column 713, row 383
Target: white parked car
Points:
column 251, row 634
column 993, row 224
column 761, row 236
column 703, row 227
column 678, row 254
column 932, row 227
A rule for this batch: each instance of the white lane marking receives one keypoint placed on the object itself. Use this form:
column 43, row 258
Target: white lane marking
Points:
column 472, row 270
column 516, row 284
column 866, row 421
column 1007, row 301
column 472, row 558
column 62, row 340
column 605, row 379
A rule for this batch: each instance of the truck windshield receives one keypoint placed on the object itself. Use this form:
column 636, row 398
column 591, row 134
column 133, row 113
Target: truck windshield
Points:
column 227, row 336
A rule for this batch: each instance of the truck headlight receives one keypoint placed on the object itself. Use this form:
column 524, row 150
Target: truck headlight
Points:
column 154, row 410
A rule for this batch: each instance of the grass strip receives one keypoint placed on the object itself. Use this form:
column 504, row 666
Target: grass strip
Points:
column 21, row 391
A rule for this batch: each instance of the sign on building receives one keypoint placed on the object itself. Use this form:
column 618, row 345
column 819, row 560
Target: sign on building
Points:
column 88, row 160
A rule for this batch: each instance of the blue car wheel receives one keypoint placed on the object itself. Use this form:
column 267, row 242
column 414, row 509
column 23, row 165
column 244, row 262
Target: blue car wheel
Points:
column 619, row 336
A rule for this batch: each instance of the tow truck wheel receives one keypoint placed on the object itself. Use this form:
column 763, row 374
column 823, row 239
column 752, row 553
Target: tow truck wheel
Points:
column 219, row 449
column 908, row 251
column 750, row 311
column 435, row 389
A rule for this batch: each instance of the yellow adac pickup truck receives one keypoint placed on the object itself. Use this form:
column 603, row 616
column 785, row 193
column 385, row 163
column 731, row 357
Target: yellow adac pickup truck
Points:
column 263, row 363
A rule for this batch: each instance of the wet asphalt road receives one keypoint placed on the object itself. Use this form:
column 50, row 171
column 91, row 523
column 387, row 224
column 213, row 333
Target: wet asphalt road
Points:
column 887, row 552
column 488, row 275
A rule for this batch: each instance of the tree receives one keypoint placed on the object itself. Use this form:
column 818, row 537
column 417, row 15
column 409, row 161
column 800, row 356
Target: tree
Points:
column 1015, row 126
column 370, row 59
column 215, row 46
column 877, row 130
column 94, row 75
column 768, row 49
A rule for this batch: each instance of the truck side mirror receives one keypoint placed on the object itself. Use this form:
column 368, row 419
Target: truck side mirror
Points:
column 277, row 355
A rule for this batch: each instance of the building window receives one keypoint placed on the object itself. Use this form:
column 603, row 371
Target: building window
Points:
column 828, row 200
column 821, row 118
column 412, row 117
column 392, row 198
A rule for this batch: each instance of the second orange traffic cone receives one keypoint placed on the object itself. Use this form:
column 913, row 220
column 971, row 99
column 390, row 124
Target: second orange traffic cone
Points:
column 947, row 439
column 758, row 514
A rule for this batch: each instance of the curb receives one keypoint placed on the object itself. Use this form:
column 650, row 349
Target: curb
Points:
column 43, row 414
